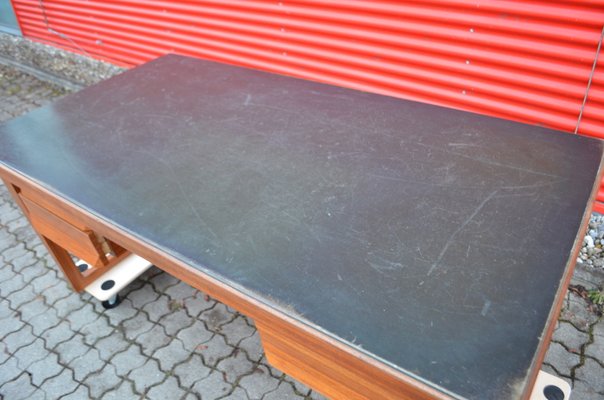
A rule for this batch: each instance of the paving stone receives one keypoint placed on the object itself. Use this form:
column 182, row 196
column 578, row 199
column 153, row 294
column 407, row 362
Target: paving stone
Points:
column 133, row 286
column 20, row 297
column 20, row 337
column 285, row 391
column 122, row 392
column 589, row 382
column 18, row 389
column 214, row 349
column 153, row 339
column 175, row 321
column 44, row 321
column 111, row 345
column 86, row 364
column 216, row 317
column 158, row 308
column 11, row 285
column 102, row 381
column 192, row 396
column 299, row 387
column 237, row 394
column 8, row 214
column 22, row 230
column 316, row 396
column 81, row 393
column 50, row 262
column 72, row 348
column 212, row 387
column 38, row 248
column 191, row 371
column 45, row 368
column 68, row 305
column 121, row 313
column 151, row 273
column 168, row 389
column 562, row 360
column 235, row 366
column 258, row 383
column 34, row 308
column 59, row 291
column 163, row 281
column 578, row 313
column 5, row 310
column 7, row 240
column 596, row 349
column 57, row 334
column 194, row 335
column 44, row 281
column 4, row 354
column 97, row 329
column 26, row 259
column 30, row 354
column 60, row 385
column 16, row 225
column 198, row 303
column 96, row 305
column 9, row 370
column 598, row 329
column 253, row 347
column 147, row 375
column 39, row 394
column 180, row 291
column 550, row 370
column 34, row 271
column 143, row 296
column 236, row 330
column 171, row 355
column 136, row 326
column 128, row 360
column 6, row 273
column 14, row 252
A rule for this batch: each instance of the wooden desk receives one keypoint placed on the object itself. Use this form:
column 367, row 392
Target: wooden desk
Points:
column 384, row 248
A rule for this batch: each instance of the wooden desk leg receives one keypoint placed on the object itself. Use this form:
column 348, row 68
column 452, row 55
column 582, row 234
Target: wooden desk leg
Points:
column 65, row 262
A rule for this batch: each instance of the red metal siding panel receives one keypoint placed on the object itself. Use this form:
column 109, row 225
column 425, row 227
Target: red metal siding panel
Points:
column 526, row 61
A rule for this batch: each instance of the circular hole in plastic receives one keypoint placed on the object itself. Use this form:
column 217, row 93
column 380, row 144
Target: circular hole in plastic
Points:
column 108, row 284
column 552, row 392
column 83, row 267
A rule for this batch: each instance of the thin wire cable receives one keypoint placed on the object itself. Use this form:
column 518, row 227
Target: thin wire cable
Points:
column 59, row 34
column 591, row 75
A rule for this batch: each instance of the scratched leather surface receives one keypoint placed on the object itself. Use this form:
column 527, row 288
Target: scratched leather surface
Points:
column 431, row 238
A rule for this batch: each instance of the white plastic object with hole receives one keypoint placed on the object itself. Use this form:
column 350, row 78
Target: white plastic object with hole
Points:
column 122, row 274
column 544, row 380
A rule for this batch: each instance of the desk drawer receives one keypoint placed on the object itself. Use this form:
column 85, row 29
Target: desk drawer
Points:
column 50, row 205
column 78, row 242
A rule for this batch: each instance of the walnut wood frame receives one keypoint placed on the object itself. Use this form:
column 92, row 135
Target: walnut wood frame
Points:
column 316, row 359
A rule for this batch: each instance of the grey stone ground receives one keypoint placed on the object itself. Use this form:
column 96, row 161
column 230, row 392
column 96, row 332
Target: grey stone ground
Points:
column 168, row 340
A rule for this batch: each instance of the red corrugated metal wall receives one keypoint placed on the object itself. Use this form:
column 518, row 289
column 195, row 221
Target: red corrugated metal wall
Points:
column 526, row 61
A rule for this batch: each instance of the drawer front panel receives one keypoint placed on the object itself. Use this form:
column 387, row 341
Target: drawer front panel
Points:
column 80, row 243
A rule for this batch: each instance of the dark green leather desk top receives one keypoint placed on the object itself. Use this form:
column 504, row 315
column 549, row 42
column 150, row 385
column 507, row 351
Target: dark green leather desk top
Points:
column 432, row 239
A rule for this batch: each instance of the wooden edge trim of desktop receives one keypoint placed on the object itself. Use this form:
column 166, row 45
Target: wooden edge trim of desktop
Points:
column 559, row 298
column 345, row 373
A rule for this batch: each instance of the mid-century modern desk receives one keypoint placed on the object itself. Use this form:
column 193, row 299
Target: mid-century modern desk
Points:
column 384, row 248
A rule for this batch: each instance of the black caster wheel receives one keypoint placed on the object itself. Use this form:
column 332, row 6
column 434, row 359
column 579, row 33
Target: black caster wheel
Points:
column 112, row 302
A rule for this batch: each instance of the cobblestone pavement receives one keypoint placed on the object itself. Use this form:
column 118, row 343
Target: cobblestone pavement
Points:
column 167, row 340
